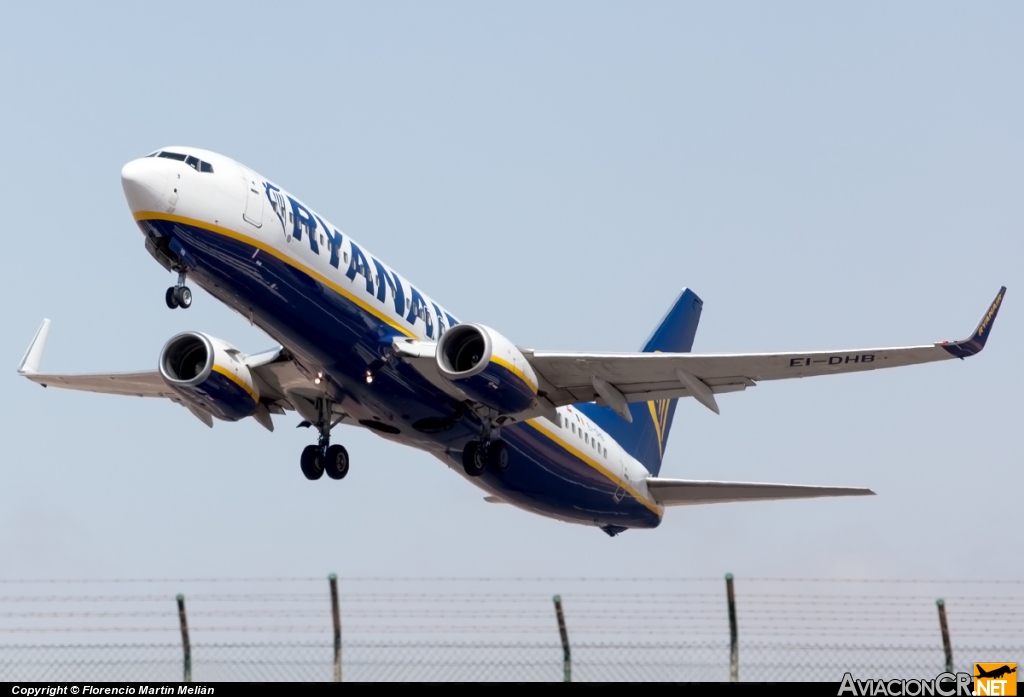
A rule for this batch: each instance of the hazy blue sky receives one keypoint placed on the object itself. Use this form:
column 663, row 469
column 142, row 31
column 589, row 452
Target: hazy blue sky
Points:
column 823, row 176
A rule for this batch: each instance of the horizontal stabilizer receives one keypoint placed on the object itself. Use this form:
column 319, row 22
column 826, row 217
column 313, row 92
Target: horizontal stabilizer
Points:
column 690, row 492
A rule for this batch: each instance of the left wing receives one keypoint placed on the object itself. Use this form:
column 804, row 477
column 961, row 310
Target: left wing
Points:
column 617, row 379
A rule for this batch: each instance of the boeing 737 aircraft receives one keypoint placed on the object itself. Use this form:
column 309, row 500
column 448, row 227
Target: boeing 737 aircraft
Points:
column 578, row 437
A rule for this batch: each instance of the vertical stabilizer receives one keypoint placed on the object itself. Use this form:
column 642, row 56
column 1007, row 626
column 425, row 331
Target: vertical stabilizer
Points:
column 646, row 437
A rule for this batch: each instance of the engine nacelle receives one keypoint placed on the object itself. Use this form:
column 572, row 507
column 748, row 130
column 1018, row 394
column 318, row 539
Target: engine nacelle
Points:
column 487, row 368
column 208, row 374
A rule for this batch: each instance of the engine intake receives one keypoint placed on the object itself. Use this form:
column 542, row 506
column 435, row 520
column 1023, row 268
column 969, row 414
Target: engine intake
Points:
column 207, row 373
column 487, row 368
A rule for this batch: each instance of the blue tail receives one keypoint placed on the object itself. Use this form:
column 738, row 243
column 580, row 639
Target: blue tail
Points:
column 646, row 437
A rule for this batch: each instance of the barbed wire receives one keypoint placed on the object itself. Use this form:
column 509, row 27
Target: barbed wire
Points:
column 515, row 596
column 516, row 579
column 704, row 631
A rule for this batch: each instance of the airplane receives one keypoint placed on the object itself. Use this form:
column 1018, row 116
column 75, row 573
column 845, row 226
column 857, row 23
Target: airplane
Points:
column 579, row 437
column 995, row 673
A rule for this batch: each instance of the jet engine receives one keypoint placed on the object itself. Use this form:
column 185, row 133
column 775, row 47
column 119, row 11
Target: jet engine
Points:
column 208, row 374
column 487, row 368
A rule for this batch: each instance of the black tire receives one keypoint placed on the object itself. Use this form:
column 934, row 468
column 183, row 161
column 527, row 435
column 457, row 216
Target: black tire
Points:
column 312, row 462
column 171, row 298
column 336, row 462
column 183, row 295
column 498, row 457
column 472, row 463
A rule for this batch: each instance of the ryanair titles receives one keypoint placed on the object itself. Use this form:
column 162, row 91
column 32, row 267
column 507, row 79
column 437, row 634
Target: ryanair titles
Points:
column 380, row 281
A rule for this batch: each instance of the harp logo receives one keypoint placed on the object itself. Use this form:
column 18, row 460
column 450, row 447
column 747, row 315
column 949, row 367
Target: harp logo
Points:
column 659, row 414
column 995, row 679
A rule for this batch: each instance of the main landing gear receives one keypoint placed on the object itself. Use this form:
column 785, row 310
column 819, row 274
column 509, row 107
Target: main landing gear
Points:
column 179, row 295
column 324, row 457
column 480, row 455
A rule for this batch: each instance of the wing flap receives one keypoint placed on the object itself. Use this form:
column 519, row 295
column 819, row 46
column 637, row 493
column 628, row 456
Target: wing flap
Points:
column 691, row 492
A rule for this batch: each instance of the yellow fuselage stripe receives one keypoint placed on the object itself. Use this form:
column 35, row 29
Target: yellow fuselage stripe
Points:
column 240, row 237
column 651, row 506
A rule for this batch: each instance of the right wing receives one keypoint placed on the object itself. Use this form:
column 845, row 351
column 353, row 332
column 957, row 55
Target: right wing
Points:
column 143, row 384
column 281, row 384
column 689, row 492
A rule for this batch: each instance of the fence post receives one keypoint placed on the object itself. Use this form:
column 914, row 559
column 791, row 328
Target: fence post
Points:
column 734, row 649
column 563, row 632
column 946, row 646
column 185, row 645
column 336, row 616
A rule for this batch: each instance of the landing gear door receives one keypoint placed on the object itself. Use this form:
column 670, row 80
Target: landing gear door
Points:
column 253, row 199
column 620, row 489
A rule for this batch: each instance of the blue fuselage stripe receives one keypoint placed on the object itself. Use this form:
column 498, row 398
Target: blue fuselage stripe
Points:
column 325, row 331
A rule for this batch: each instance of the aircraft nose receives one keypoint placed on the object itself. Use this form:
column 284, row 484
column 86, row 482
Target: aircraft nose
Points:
column 144, row 184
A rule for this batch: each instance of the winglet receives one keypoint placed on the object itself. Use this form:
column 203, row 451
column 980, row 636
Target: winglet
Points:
column 976, row 342
column 34, row 354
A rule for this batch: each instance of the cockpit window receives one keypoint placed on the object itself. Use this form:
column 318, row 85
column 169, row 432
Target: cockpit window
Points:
column 190, row 160
column 153, row 154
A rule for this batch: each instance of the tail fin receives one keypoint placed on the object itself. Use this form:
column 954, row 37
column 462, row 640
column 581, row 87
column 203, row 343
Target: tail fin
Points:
column 646, row 437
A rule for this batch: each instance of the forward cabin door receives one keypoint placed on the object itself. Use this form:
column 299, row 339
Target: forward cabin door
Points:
column 253, row 199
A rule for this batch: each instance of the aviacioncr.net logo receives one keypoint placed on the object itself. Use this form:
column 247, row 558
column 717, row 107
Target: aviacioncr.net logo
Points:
column 943, row 685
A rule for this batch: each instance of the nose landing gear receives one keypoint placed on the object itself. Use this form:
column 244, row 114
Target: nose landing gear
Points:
column 179, row 295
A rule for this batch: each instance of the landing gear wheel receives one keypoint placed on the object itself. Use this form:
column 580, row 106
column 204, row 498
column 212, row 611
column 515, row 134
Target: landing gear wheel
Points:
column 336, row 462
column 312, row 462
column 183, row 296
column 497, row 457
column 171, row 298
column 471, row 460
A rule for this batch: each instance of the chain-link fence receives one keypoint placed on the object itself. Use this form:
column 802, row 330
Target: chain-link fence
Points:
column 492, row 629
column 514, row 662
